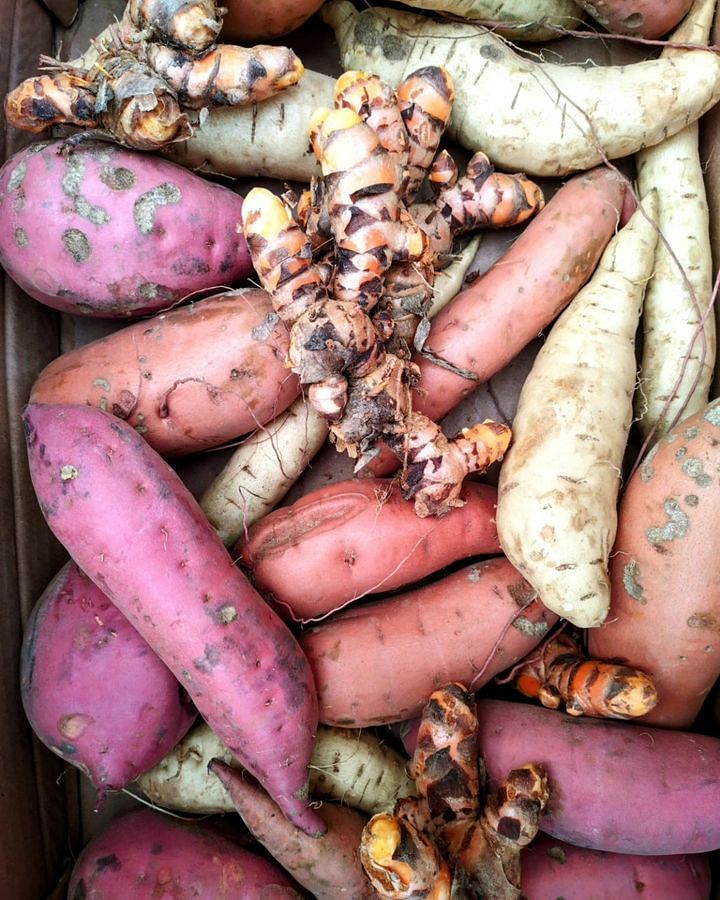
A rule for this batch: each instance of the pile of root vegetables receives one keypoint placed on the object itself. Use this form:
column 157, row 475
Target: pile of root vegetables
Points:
column 373, row 656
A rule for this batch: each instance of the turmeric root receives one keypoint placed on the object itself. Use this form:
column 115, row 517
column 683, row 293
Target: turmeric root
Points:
column 46, row 100
column 561, row 673
column 478, row 837
column 185, row 24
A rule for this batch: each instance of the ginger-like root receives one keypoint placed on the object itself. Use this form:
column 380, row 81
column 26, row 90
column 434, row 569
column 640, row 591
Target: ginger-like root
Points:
column 46, row 100
column 226, row 75
column 402, row 862
column 185, row 24
column 560, row 673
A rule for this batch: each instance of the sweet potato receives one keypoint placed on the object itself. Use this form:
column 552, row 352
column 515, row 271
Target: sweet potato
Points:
column 101, row 230
column 560, row 480
column 93, row 690
column 553, row 869
column 679, row 344
column 348, row 765
column 192, row 378
column 378, row 662
column 144, row 855
column 130, row 523
column 328, row 866
column 250, row 20
column 538, row 117
column 640, row 18
column 616, row 786
column 369, row 535
column 665, row 570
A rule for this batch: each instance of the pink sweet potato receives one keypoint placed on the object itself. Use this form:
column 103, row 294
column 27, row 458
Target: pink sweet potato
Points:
column 130, row 523
column 640, row 18
column 378, row 662
column 615, row 786
column 553, row 869
column 93, row 690
column 665, row 571
column 101, row 230
column 192, row 378
column 143, row 855
column 360, row 537
column 328, row 866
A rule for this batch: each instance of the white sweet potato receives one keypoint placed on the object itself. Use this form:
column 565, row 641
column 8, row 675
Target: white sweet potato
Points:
column 101, row 230
column 130, row 523
column 347, row 765
column 535, row 117
column 560, row 480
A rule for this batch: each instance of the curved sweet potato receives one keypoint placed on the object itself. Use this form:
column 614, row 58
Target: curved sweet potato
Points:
column 93, row 690
column 188, row 379
column 665, row 571
column 328, row 866
column 101, row 230
column 144, row 855
column 641, row 18
column 615, row 786
column 378, row 662
column 131, row 524
column 360, row 537
column 553, row 869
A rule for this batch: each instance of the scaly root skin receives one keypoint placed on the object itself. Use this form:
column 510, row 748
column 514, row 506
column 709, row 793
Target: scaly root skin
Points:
column 437, row 466
column 39, row 103
column 186, row 24
column 401, row 862
column 226, row 75
column 375, row 102
column 561, row 673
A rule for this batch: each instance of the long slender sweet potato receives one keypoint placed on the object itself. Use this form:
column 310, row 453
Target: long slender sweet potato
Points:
column 665, row 570
column 144, row 855
column 616, row 786
column 328, row 866
column 131, row 524
column 192, row 378
column 560, row 481
column 553, row 869
column 111, row 728
column 359, row 537
column 537, row 117
column 101, row 230
column 379, row 662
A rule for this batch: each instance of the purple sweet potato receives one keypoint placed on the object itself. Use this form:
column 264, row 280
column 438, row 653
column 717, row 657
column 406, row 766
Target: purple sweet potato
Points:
column 130, row 523
column 101, row 230
column 615, row 786
column 188, row 379
column 552, row 869
column 144, row 855
column 93, row 690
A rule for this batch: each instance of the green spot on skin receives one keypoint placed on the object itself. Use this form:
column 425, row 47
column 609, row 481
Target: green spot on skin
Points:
column 68, row 473
column 691, row 499
column 21, row 238
column 675, row 528
column 145, row 205
column 694, row 469
column 680, row 452
column 692, row 432
column 18, row 176
column 226, row 614
column 102, row 383
column 631, row 574
column 646, row 467
column 77, row 244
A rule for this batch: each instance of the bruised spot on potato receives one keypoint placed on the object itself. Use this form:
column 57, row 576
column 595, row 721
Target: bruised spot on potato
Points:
column 17, row 176
column 646, row 468
column 118, row 178
column 674, row 529
column 712, row 413
column 146, row 205
column 226, row 614
column 529, row 628
column 703, row 621
column 691, row 499
column 74, row 726
column 631, row 574
column 21, row 238
column 695, row 469
column 263, row 331
column 71, row 184
column 111, row 861
column 192, row 265
column 77, row 244
column 209, row 660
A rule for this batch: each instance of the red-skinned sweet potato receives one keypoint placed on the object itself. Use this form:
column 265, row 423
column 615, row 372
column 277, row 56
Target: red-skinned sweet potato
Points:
column 615, row 786
column 360, row 537
column 143, row 855
column 553, row 869
column 328, row 866
column 130, row 523
column 101, row 230
column 192, row 378
column 93, row 690
column 378, row 662
column 665, row 571
column 640, row 18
